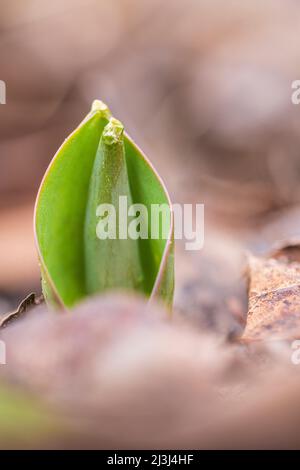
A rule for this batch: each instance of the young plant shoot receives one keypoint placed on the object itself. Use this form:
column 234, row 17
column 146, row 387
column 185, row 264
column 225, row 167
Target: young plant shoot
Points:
column 93, row 223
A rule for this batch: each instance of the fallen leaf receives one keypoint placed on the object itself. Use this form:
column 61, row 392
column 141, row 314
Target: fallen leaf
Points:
column 30, row 301
column 274, row 295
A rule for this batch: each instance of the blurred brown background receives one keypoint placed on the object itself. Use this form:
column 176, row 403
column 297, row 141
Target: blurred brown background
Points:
column 203, row 86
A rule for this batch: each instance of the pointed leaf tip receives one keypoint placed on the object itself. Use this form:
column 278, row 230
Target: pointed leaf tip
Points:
column 99, row 105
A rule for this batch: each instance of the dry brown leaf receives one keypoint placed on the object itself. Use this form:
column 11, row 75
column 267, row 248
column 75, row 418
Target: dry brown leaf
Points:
column 274, row 295
column 30, row 301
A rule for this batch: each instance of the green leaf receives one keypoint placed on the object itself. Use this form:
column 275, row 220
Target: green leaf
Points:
column 96, row 165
